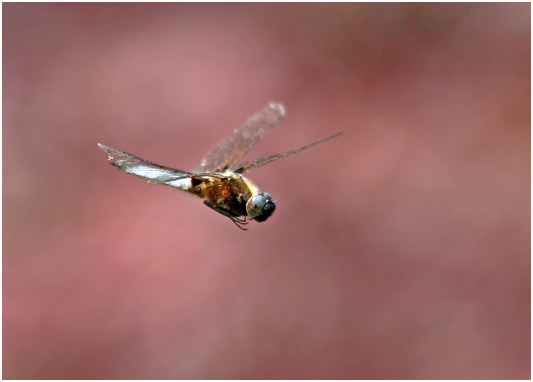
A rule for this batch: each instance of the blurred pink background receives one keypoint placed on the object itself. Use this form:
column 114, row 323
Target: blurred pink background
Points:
column 400, row 250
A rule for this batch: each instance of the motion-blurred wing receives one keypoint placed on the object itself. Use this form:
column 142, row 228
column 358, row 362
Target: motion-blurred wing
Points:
column 154, row 173
column 230, row 150
column 247, row 166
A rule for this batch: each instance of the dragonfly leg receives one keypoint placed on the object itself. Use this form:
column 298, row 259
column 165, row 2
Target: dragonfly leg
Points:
column 239, row 222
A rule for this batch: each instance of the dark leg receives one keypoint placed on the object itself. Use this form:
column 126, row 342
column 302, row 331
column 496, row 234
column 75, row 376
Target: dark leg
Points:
column 235, row 219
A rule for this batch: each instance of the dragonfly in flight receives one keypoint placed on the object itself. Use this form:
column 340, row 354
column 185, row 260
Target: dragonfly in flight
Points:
column 218, row 179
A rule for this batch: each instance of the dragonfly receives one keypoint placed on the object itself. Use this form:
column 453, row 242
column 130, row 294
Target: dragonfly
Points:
column 218, row 179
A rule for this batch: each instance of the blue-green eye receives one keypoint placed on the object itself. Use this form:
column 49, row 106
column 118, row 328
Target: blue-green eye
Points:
column 255, row 206
column 260, row 207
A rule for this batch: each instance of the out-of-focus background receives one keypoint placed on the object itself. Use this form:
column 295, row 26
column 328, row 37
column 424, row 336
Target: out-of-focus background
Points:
column 400, row 250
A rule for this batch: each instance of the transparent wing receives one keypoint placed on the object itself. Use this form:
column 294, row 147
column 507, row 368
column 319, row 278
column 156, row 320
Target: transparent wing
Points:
column 230, row 150
column 248, row 166
column 154, row 173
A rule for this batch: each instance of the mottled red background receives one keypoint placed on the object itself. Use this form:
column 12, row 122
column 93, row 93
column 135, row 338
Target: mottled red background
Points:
column 400, row 250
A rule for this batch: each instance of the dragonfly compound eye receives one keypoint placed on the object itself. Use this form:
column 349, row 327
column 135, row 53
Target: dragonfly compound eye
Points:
column 260, row 207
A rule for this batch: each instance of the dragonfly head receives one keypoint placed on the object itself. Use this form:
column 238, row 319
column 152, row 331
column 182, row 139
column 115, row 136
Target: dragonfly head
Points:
column 260, row 206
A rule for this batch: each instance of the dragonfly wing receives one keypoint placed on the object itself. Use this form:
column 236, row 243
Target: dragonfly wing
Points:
column 248, row 166
column 154, row 173
column 228, row 152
